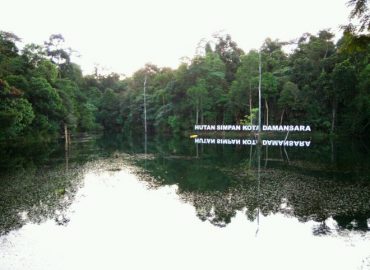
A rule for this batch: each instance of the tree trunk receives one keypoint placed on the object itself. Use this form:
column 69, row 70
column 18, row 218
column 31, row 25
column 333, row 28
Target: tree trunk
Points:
column 267, row 112
column 201, row 112
column 282, row 115
column 145, row 126
column 334, row 112
column 326, row 53
column 66, row 137
column 250, row 102
column 66, row 146
column 196, row 114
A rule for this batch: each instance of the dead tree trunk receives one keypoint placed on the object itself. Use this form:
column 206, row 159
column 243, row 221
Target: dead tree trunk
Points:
column 334, row 112
column 267, row 112
column 282, row 116
column 250, row 102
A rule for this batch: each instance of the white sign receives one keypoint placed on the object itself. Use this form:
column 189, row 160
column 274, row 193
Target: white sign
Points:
column 300, row 128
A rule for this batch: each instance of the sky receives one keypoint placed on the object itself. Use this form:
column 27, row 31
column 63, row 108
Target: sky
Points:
column 123, row 35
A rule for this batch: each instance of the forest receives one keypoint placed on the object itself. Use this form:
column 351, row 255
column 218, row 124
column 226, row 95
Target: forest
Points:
column 320, row 82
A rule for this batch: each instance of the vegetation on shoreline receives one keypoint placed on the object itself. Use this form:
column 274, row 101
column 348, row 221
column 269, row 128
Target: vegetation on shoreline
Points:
column 320, row 83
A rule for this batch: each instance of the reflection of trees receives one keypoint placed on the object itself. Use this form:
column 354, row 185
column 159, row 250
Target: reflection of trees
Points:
column 220, row 181
column 306, row 198
column 36, row 196
column 218, row 189
column 36, row 184
column 22, row 156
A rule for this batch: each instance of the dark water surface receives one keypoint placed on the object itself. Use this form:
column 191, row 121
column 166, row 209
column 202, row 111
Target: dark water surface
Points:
column 114, row 202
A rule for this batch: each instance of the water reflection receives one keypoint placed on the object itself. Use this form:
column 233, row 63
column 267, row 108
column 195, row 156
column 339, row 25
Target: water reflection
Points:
column 38, row 181
column 310, row 184
column 125, row 202
column 328, row 181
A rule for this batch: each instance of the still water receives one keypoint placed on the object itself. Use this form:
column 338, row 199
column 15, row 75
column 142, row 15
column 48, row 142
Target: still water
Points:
column 118, row 203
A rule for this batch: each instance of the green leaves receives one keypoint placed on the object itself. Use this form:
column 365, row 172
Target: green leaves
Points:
column 318, row 83
column 360, row 11
column 289, row 95
column 269, row 85
column 16, row 112
column 109, row 112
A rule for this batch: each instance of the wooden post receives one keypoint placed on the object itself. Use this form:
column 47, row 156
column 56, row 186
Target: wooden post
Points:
column 66, row 146
column 145, row 128
column 66, row 139
column 259, row 99
column 258, row 185
column 250, row 101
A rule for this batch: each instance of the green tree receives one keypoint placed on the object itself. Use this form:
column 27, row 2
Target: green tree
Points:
column 269, row 86
column 16, row 113
column 198, row 96
column 56, row 51
column 361, row 12
column 288, row 99
column 109, row 112
column 68, row 90
column 357, row 114
column 311, row 66
column 245, row 86
column 47, row 70
column 230, row 54
column 47, row 105
column 344, row 87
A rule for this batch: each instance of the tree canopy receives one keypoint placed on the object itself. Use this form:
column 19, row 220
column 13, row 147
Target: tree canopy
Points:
column 321, row 83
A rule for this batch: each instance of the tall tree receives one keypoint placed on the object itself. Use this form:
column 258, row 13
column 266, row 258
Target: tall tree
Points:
column 16, row 112
column 244, row 88
column 230, row 54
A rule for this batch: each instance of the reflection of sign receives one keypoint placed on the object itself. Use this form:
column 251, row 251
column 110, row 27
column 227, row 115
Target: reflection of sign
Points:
column 289, row 143
column 252, row 128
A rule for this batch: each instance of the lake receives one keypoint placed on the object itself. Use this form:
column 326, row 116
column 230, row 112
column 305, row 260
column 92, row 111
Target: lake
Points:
column 116, row 202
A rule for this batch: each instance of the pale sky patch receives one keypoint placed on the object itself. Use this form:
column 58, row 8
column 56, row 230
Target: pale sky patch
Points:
column 124, row 35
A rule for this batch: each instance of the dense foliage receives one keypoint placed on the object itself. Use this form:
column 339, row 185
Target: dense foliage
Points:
column 320, row 83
